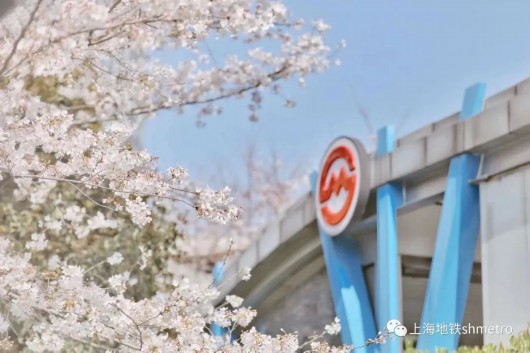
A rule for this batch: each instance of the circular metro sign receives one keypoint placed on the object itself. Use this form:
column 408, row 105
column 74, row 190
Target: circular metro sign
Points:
column 342, row 192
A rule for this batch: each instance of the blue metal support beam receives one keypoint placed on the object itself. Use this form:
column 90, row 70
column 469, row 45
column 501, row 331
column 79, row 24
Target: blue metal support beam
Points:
column 348, row 287
column 473, row 101
column 386, row 137
column 456, row 242
column 389, row 198
column 217, row 276
column 218, row 331
column 218, row 272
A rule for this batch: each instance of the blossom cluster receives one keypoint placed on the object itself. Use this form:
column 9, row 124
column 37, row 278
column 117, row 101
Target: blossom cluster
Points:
column 74, row 73
column 42, row 146
column 66, row 309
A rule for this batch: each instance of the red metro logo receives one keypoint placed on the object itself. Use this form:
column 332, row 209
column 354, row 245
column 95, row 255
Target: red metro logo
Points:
column 338, row 189
column 345, row 180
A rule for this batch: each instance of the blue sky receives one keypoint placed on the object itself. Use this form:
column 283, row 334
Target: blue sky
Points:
column 406, row 63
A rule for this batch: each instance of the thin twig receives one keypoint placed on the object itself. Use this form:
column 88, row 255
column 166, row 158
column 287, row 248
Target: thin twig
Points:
column 91, row 199
column 135, row 325
column 219, row 271
column 20, row 36
column 100, row 187
column 113, row 6
column 147, row 109
column 104, row 39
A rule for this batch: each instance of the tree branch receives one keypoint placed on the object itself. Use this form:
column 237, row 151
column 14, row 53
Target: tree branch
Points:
column 20, row 37
column 31, row 176
column 140, row 337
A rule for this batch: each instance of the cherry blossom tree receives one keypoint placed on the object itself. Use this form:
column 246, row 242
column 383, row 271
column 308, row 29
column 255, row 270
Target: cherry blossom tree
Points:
column 76, row 79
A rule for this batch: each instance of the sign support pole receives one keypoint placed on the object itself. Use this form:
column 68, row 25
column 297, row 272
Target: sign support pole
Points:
column 348, row 286
column 456, row 242
column 389, row 198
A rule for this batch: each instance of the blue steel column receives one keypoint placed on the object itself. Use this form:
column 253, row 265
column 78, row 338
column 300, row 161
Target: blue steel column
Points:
column 389, row 198
column 456, row 241
column 348, row 287
column 217, row 277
